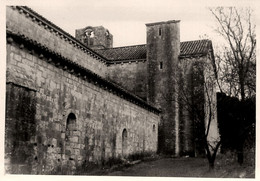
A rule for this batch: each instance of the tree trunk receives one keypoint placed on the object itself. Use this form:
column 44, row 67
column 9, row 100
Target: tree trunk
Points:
column 242, row 84
column 210, row 158
column 211, row 165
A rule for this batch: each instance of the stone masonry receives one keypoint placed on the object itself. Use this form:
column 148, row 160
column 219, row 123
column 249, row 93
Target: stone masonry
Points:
column 57, row 119
column 131, row 75
column 72, row 103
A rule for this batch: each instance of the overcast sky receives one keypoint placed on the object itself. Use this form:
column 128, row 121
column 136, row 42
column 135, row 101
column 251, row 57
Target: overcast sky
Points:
column 126, row 19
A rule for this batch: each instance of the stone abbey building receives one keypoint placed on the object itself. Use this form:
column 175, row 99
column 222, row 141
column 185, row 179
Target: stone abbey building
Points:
column 78, row 101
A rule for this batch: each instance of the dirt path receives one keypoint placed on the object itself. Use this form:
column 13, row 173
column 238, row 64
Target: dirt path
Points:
column 179, row 167
column 168, row 167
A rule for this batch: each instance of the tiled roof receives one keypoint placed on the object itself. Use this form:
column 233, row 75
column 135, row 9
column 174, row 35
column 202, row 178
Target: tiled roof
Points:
column 198, row 47
column 138, row 52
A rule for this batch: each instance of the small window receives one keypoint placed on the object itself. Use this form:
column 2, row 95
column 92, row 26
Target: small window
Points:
column 153, row 128
column 160, row 31
column 161, row 65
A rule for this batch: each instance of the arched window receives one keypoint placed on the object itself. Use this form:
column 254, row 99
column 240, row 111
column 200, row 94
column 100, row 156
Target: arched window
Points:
column 124, row 142
column 71, row 122
column 89, row 35
column 69, row 137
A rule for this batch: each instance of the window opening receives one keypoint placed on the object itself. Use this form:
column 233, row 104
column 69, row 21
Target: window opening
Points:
column 161, row 65
column 70, row 138
column 124, row 142
column 71, row 121
column 153, row 128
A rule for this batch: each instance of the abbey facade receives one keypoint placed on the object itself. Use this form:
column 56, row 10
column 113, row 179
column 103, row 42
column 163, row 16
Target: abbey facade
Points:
column 79, row 101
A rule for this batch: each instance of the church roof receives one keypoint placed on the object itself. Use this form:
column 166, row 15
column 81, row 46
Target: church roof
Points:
column 138, row 52
column 195, row 48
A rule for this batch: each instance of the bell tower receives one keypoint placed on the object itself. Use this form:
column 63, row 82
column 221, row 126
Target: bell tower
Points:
column 95, row 37
column 163, row 49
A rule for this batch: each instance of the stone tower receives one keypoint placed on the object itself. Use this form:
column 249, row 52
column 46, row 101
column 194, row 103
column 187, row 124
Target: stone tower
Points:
column 163, row 49
column 95, row 37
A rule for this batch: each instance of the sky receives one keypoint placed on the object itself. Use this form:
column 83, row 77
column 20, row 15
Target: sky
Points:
column 126, row 19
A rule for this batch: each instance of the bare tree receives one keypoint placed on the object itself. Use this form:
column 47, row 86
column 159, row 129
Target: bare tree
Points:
column 197, row 97
column 236, row 60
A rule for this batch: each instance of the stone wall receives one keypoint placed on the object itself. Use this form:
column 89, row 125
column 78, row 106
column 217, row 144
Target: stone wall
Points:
column 20, row 127
column 41, row 30
column 70, row 121
column 186, row 134
column 196, row 95
column 191, row 103
column 132, row 76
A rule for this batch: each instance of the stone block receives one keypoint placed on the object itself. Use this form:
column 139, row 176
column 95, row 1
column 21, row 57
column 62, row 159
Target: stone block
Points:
column 54, row 142
column 74, row 139
column 18, row 57
column 77, row 151
column 58, row 150
column 77, row 146
column 62, row 135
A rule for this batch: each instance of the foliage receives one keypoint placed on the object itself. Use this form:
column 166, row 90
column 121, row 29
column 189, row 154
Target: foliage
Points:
column 227, row 167
column 236, row 123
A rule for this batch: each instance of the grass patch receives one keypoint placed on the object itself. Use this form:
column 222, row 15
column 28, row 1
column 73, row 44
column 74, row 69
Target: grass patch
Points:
column 226, row 165
column 114, row 164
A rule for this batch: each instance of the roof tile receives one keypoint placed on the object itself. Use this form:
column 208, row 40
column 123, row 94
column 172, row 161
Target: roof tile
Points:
column 138, row 52
column 124, row 53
